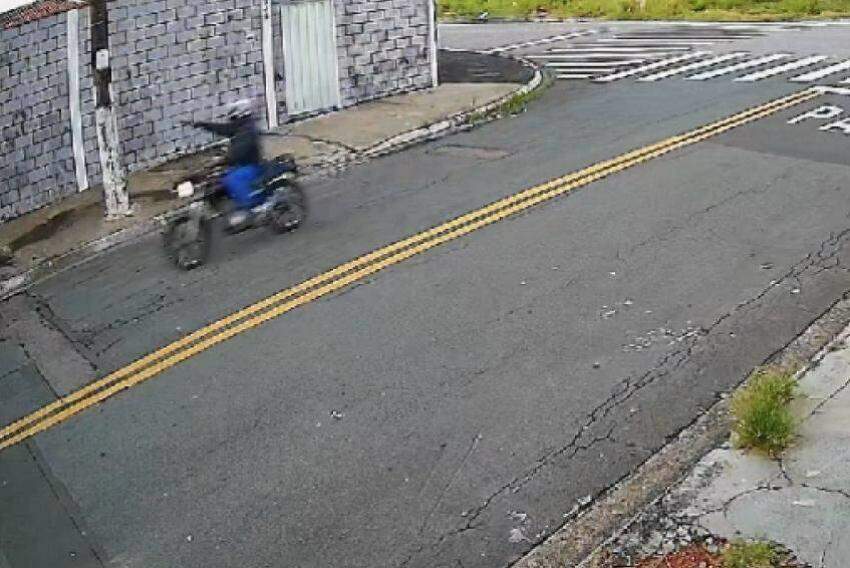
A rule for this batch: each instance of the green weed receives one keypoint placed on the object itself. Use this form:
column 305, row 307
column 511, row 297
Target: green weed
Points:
column 743, row 554
column 760, row 410
column 517, row 104
column 750, row 10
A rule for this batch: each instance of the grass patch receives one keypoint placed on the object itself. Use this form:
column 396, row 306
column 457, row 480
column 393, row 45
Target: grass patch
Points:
column 516, row 104
column 744, row 554
column 720, row 10
column 760, row 410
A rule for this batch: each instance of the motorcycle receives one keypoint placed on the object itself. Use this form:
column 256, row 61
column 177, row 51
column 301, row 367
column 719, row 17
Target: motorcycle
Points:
column 188, row 233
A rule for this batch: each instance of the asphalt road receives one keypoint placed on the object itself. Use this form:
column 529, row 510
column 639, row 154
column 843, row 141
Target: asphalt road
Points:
column 449, row 410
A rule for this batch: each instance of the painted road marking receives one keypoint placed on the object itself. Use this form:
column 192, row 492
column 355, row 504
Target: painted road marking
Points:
column 693, row 66
column 773, row 71
column 542, row 41
column 738, row 67
column 353, row 271
column 843, row 125
column 557, row 64
column 827, row 90
column 585, row 71
column 592, row 66
column 632, row 47
column 607, row 49
column 648, row 42
column 680, row 37
column 821, row 73
column 652, row 66
column 583, row 56
column 824, row 112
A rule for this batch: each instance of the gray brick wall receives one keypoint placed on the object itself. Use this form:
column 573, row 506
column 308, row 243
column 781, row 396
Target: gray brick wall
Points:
column 180, row 60
column 383, row 47
column 174, row 61
column 36, row 162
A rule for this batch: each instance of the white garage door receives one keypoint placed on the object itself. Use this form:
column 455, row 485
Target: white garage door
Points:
column 309, row 46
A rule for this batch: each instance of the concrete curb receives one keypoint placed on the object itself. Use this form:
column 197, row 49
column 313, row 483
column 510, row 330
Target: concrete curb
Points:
column 18, row 283
column 593, row 525
column 449, row 125
column 455, row 121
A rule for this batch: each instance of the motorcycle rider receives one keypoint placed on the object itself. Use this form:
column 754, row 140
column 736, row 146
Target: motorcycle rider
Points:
column 244, row 166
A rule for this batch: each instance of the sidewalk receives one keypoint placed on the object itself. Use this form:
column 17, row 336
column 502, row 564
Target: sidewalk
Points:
column 800, row 501
column 73, row 229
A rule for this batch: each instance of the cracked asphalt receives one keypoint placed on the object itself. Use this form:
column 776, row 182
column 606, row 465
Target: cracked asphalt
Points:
column 800, row 500
column 452, row 409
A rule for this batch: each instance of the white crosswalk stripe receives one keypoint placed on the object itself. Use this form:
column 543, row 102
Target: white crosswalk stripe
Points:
column 693, row 66
column 652, row 66
column 738, row 67
column 649, row 43
column 818, row 74
column 592, row 64
column 688, row 40
column 611, row 55
column 542, row 41
column 653, row 54
column 585, row 71
column 554, row 52
column 599, row 55
column 774, row 71
column 621, row 58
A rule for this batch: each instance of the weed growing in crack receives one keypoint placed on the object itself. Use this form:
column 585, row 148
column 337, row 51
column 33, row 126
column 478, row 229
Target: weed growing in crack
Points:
column 762, row 419
column 749, row 554
column 515, row 105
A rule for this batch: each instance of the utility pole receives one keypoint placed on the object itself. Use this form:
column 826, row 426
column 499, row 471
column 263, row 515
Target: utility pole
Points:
column 115, row 196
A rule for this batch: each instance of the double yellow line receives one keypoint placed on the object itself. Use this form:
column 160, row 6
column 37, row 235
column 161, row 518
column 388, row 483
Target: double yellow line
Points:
column 362, row 267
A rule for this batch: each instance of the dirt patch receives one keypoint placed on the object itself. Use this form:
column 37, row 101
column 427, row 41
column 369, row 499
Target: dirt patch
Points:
column 158, row 196
column 696, row 556
column 43, row 230
column 700, row 555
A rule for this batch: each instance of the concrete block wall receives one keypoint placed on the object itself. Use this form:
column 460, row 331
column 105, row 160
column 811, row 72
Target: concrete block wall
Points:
column 36, row 160
column 175, row 61
column 180, row 60
column 383, row 47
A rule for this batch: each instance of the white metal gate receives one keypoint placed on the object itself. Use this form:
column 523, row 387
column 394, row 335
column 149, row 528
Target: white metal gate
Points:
column 309, row 54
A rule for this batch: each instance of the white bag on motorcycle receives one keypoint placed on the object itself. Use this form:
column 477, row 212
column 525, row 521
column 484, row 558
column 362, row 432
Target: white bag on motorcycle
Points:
column 185, row 189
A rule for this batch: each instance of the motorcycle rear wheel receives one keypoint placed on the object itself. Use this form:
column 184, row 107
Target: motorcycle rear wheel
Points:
column 291, row 212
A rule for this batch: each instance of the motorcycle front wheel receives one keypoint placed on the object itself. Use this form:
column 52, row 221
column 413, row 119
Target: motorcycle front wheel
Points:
column 187, row 240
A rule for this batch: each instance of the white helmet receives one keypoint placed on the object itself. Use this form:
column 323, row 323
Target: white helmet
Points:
column 240, row 109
